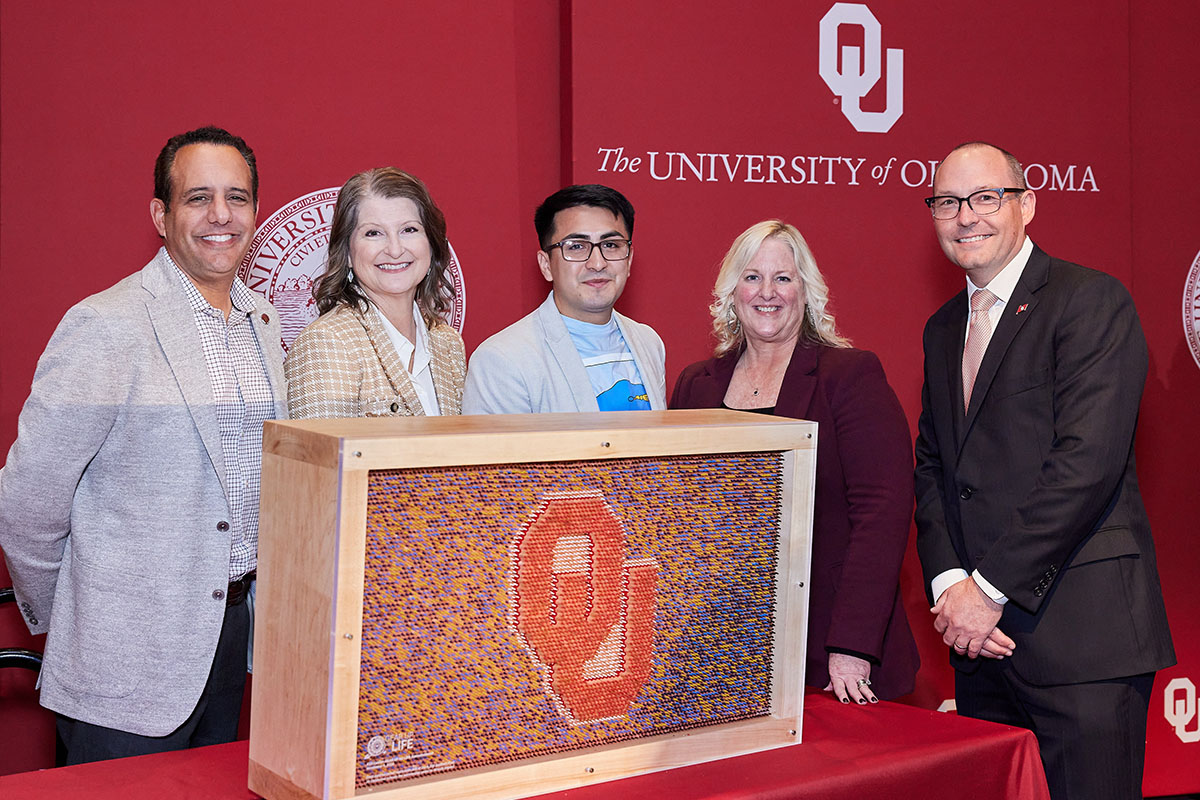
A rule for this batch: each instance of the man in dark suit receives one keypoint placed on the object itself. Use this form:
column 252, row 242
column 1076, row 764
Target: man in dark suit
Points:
column 1025, row 479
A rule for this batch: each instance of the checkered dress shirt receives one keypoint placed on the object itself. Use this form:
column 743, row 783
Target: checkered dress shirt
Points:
column 242, row 395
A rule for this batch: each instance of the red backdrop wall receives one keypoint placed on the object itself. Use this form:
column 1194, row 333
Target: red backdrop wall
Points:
column 731, row 122
column 497, row 105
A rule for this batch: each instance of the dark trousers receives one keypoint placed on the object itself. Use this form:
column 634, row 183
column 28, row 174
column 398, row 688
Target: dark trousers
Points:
column 1092, row 736
column 214, row 720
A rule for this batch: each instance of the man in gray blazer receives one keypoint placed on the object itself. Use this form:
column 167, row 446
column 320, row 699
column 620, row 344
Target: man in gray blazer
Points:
column 574, row 352
column 129, row 502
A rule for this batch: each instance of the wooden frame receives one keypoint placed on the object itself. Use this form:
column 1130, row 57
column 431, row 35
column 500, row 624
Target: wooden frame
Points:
column 309, row 598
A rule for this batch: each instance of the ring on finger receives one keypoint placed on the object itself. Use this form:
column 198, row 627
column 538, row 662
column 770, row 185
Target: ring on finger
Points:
column 864, row 682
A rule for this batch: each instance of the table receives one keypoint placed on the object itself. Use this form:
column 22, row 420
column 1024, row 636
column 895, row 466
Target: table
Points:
column 862, row 753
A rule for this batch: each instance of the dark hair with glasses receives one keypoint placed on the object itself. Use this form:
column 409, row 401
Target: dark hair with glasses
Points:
column 594, row 195
column 611, row 249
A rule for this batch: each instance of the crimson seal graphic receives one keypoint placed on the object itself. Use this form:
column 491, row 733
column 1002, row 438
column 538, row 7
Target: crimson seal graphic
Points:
column 288, row 254
column 1191, row 309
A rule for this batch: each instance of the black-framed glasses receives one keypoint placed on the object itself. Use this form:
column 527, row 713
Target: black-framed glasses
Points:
column 983, row 202
column 581, row 249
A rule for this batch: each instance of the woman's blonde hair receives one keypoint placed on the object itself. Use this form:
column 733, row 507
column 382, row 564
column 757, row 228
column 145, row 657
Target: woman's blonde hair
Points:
column 817, row 327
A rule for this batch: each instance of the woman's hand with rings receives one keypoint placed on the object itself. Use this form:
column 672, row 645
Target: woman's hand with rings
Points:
column 850, row 679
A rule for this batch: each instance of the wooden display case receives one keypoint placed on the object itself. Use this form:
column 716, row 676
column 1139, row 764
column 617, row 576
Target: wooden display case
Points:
column 503, row 606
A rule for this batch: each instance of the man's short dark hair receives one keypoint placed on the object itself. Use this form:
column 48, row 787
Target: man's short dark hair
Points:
column 591, row 194
column 209, row 134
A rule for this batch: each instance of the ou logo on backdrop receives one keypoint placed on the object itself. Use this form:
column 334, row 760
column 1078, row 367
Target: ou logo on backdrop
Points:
column 861, row 69
column 1179, row 711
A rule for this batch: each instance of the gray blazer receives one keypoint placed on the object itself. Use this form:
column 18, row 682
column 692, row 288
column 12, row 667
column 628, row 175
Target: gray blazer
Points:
column 532, row 366
column 110, row 503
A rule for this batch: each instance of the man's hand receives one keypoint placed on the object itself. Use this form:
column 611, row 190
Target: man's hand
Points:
column 997, row 645
column 966, row 618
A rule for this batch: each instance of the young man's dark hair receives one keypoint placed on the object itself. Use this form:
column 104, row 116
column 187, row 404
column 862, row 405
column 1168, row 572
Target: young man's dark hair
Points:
column 590, row 194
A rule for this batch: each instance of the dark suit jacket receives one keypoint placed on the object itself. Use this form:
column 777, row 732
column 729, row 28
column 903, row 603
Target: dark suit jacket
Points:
column 1035, row 484
column 861, row 510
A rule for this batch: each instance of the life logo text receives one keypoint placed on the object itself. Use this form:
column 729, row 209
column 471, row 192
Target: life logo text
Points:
column 861, row 69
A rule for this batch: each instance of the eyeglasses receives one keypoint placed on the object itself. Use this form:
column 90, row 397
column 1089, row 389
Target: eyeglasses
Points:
column 983, row 202
column 581, row 249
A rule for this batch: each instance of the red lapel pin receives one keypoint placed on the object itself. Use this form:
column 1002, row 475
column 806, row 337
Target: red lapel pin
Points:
column 1022, row 307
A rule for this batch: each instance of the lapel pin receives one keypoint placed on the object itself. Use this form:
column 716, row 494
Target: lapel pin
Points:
column 267, row 319
column 1022, row 307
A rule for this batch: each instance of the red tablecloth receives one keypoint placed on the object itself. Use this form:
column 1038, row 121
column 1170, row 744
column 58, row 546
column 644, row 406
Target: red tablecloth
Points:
column 884, row 751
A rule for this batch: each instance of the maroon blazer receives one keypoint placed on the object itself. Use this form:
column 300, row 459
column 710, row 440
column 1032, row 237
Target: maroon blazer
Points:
column 862, row 508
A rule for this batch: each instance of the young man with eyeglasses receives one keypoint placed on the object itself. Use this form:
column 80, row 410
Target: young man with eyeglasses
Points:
column 1030, row 526
column 574, row 352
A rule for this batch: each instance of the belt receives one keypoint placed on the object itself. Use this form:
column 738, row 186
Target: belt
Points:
column 240, row 588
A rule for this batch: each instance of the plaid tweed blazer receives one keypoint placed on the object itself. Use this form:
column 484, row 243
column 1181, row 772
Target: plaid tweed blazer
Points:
column 344, row 365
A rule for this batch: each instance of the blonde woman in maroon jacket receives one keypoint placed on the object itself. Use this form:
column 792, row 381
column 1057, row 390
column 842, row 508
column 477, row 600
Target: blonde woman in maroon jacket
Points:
column 779, row 352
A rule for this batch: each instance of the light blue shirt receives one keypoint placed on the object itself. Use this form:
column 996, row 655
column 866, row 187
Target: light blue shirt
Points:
column 609, row 364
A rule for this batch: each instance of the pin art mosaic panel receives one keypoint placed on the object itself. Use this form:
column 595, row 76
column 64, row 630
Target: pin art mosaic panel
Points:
column 511, row 611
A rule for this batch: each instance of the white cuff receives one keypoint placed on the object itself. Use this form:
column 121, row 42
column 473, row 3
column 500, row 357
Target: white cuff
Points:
column 991, row 591
column 944, row 581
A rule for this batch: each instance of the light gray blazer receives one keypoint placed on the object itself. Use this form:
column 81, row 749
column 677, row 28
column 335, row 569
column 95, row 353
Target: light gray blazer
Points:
column 110, row 503
column 532, row 366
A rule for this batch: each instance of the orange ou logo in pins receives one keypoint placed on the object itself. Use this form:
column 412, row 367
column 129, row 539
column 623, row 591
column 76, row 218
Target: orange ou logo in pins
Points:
column 584, row 612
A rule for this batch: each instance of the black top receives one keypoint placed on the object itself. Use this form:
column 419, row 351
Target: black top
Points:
column 770, row 410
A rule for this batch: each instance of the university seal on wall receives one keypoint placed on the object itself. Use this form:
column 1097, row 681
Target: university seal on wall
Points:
column 1191, row 309
column 288, row 254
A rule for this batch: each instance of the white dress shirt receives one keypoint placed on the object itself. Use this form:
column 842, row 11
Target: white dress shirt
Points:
column 1003, row 286
column 420, row 374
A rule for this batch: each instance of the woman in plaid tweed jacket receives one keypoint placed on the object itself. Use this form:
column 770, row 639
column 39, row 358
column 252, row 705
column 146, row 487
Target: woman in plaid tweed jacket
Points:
column 381, row 346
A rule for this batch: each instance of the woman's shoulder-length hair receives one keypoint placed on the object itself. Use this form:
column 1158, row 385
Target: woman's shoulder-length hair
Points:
column 818, row 326
column 435, row 293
